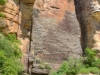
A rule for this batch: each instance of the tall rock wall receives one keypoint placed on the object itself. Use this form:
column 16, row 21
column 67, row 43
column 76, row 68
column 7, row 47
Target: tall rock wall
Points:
column 17, row 19
column 88, row 15
column 49, row 30
column 55, row 33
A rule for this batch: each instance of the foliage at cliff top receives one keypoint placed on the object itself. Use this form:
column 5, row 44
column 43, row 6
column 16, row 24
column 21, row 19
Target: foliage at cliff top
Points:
column 9, row 55
column 2, row 2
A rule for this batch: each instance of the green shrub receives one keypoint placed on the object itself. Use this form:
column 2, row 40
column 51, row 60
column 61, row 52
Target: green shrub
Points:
column 94, row 70
column 96, row 63
column 2, row 2
column 1, row 15
column 84, row 70
column 88, row 64
column 90, row 57
column 53, row 73
column 9, row 55
column 70, row 67
column 63, row 68
column 43, row 65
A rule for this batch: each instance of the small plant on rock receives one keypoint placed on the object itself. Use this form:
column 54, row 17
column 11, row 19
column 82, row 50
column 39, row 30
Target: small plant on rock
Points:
column 1, row 15
column 43, row 65
column 2, row 2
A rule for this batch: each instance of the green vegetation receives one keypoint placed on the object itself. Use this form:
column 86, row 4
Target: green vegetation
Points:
column 43, row 65
column 9, row 55
column 69, row 68
column 93, row 70
column 1, row 15
column 88, row 64
column 2, row 2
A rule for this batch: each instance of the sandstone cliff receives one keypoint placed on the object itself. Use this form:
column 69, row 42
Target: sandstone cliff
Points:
column 55, row 32
column 88, row 16
column 49, row 29
column 18, row 20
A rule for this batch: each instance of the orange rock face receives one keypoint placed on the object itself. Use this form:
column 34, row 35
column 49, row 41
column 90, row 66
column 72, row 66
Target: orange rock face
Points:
column 18, row 19
column 54, row 8
column 11, row 13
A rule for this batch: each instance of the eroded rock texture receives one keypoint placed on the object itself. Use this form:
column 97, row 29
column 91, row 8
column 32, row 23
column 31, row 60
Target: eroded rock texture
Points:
column 50, row 32
column 11, row 20
column 88, row 14
column 55, row 32
column 24, row 31
column 17, row 20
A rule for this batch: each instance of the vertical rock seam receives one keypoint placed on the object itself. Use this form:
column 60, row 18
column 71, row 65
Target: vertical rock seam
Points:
column 24, row 34
column 88, row 15
column 83, row 12
column 30, row 63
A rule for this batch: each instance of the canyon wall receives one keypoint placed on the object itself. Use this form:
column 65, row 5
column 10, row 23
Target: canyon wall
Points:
column 49, row 30
column 88, row 15
column 55, row 33
column 18, row 19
